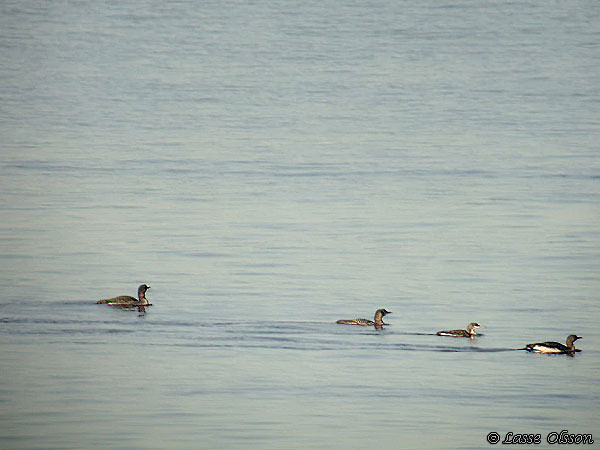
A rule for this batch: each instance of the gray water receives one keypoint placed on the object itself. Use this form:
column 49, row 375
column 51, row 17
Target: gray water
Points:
column 269, row 168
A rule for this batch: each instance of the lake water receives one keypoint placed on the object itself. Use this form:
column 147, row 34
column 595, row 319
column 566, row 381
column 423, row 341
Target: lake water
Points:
column 271, row 167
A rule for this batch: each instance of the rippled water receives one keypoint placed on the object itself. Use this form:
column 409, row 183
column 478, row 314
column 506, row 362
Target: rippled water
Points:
column 269, row 168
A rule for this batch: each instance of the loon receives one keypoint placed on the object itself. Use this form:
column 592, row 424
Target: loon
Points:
column 125, row 301
column 377, row 320
column 554, row 347
column 469, row 332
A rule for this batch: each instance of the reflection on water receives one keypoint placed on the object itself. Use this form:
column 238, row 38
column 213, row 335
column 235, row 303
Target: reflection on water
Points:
column 310, row 336
column 240, row 381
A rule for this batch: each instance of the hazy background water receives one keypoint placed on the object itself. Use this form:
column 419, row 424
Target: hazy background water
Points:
column 269, row 168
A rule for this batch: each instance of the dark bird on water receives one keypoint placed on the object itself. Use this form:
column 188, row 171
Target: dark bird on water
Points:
column 128, row 302
column 377, row 320
column 554, row 347
column 469, row 332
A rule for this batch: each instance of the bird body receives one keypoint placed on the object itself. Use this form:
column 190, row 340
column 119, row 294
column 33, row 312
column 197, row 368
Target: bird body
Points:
column 128, row 302
column 377, row 320
column 554, row 347
column 469, row 332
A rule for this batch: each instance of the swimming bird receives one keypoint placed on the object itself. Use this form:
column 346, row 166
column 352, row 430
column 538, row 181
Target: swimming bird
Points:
column 125, row 301
column 469, row 332
column 554, row 347
column 377, row 320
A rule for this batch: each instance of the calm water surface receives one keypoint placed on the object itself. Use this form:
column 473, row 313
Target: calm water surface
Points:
column 269, row 168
